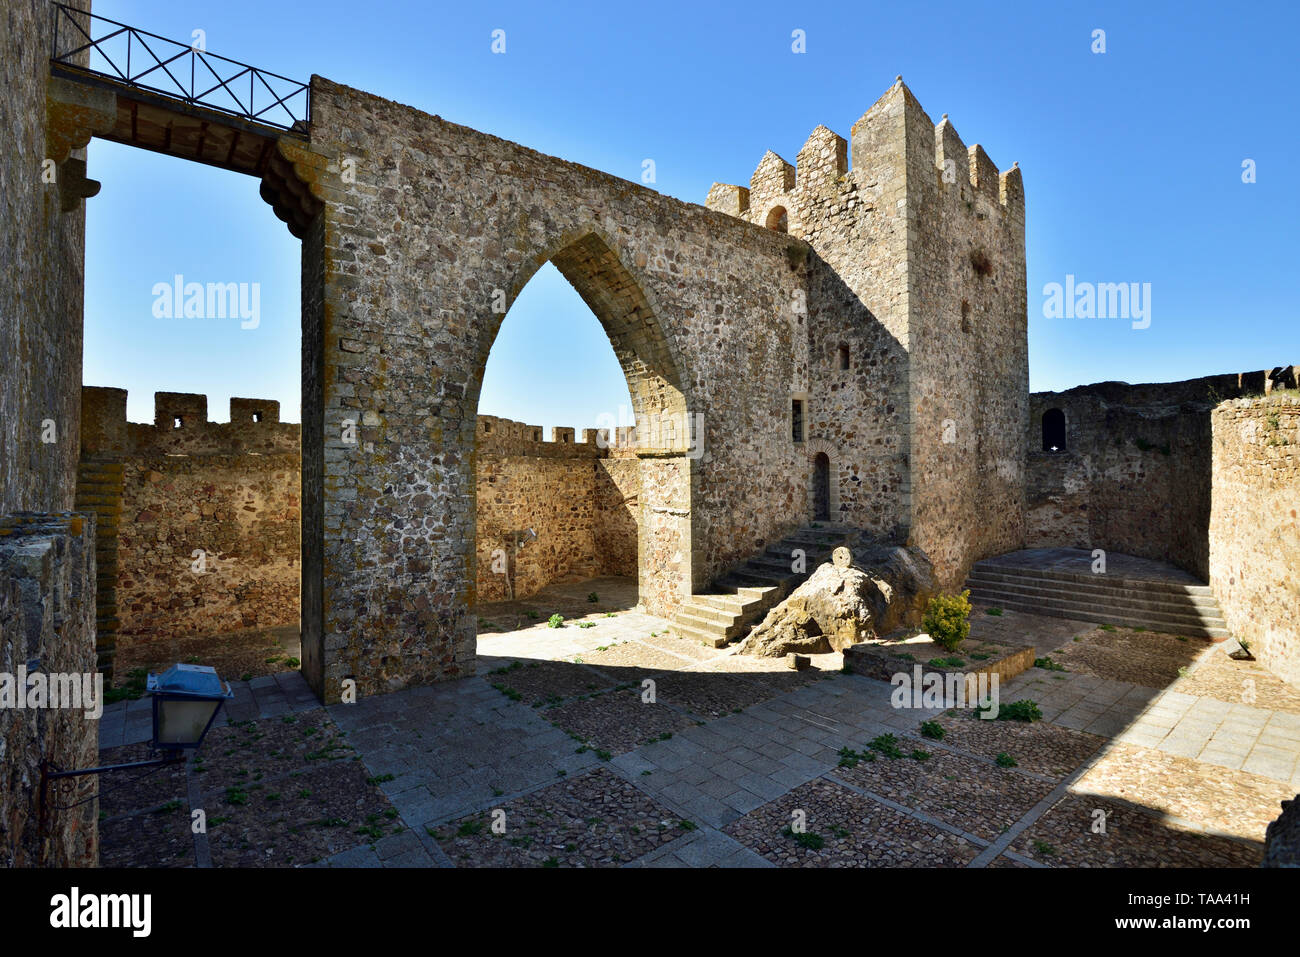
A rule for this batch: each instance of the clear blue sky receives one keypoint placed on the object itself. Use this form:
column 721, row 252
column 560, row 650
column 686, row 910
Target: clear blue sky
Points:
column 1131, row 160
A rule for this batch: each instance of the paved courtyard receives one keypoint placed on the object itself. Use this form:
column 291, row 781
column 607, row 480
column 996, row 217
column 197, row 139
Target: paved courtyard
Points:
column 608, row 742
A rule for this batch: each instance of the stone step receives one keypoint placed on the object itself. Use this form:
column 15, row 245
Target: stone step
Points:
column 688, row 633
column 1180, row 588
column 1116, row 596
column 708, row 611
column 1100, row 584
column 743, row 595
column 1100, row 614
column 705, row 626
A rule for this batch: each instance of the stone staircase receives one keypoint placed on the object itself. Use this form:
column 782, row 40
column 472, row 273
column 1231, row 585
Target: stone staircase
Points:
column 99, row 490
column 1166, row 606
column 739, row 599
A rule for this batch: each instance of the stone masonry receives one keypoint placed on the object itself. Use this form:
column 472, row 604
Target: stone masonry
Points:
column 47, row 565
column 1254, row 532
column 437, row 226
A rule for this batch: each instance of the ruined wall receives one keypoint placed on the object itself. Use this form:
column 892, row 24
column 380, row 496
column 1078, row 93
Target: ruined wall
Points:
column 915, row 362
column 1135, row 474
column 1254, row 531
column 415, row 246
column 579, row 497
column 228, row 490
column 47, row 580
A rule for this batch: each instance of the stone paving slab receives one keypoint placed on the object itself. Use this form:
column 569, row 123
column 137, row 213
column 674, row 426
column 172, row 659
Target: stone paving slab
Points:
column 743, row 741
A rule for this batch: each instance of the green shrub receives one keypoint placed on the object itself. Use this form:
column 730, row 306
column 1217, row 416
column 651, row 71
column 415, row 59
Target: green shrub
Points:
column 947, row 620
column 1023, row 710
column 555, row 621
column 932, row 729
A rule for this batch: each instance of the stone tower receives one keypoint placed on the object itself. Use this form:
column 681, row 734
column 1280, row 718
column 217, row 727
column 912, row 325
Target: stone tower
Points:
column 917, row 355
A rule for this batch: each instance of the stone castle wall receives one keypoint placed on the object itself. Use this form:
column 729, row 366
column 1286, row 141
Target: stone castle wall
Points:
column 431, row 222
column 46, row 555
column 1254, row 531
column 206, row 515
column 205, row 524
column 914, row 362
column 581, row 499
column 47, row 625
column 42, row 259
column 1135, row 473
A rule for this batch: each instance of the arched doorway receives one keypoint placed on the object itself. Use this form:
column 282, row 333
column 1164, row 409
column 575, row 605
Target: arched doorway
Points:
column 1053, row 431
column 822, row 487
column 654, row 377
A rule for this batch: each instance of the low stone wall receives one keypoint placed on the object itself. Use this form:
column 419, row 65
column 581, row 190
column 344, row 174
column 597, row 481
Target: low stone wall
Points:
column 47, row 626
column 1254, row 534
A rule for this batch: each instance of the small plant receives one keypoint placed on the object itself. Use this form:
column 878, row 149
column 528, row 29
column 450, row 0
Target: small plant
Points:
column 132, row 690
column 850, row 758
column 1005, row 760
column 808, row 840
column 993, row 611
column 1023, row 710
column 1106, row 627
column 380, row 779
column 585, row 624
column 947, row 620
column 932, row 730
column 1042, row 847
column 593, row 598
column 555, row 621
column 885, row 744
column 946, row 663
column 919, row 755
column 532, row 614
column 469, row 828
column 1047, row 664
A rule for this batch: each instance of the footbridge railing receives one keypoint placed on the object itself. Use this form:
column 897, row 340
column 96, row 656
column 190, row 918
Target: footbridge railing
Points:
column 87, row 43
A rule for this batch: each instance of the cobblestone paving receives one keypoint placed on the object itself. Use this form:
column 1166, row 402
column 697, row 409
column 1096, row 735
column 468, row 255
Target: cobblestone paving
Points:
column 596, row 820
column 590, row 771
column 275, row 792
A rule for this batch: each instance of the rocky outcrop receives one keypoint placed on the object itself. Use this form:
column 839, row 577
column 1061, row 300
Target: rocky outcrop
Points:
column 846, row 601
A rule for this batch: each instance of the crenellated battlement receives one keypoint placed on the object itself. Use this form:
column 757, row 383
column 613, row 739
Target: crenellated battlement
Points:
column 498, row 436
column 886, row 142
column 181, row 427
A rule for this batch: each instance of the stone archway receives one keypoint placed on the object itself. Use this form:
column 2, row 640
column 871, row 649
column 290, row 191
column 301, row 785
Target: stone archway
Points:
column 655, row 377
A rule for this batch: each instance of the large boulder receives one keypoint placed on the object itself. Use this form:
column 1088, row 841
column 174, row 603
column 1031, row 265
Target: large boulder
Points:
column 845, row 601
